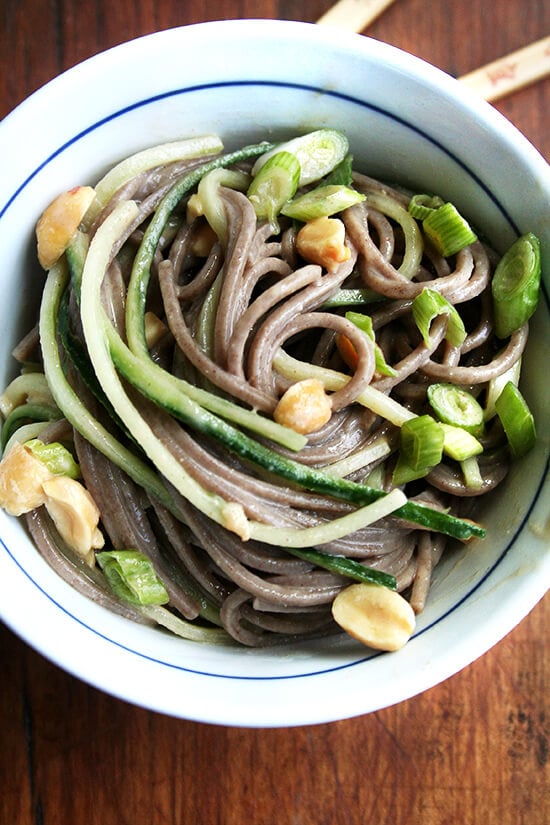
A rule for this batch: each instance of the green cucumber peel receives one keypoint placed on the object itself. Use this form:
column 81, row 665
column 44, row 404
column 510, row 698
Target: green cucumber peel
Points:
column 342, row 566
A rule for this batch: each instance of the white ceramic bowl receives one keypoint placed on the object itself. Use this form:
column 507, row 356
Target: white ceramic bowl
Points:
column 406, row 121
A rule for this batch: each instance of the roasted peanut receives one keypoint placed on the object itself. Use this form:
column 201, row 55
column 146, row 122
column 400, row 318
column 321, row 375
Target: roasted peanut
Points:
column 305, row 407
column 234, row 519
column 322, row 241
column 22, row 476
column 75, row 515
column 154, row 328
column 378, row 617
column 59, row 222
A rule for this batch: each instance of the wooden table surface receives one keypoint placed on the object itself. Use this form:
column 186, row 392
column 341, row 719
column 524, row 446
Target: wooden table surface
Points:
column 473, row 750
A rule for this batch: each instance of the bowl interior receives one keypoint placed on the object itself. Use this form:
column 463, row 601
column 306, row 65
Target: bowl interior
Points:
column 406, row 122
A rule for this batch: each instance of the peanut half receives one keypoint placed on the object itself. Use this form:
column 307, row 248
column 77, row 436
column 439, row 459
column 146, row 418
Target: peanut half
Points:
column 59, row 222
column 378, row 617
column 323, row 241
column 305, row 407
column 75, row 515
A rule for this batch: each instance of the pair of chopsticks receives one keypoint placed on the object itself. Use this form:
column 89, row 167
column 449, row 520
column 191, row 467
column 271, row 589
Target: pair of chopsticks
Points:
column 492, row 82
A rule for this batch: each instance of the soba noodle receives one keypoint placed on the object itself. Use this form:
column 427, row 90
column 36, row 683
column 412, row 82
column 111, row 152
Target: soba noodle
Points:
column 243, row 317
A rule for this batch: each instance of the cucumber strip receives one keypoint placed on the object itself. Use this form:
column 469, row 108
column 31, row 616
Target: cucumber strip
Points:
column 95, row 323
column 162, row 393
column 373, row 399
column 26, row 387
column 386, row 407
column 290, row 537
column 72, row 407
column 180, row 627
column 137, row 288
column 136, row 300
column 228, row 514
column 208, row 196
column 25, row 433
column 104, row 344
column 26, row 413
column 380, row 448
column 342, row 566
column 414, row 243
column 226, row 409
column 146, row 159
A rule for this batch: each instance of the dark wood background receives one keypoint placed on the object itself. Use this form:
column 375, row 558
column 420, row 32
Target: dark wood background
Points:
column 473, row 750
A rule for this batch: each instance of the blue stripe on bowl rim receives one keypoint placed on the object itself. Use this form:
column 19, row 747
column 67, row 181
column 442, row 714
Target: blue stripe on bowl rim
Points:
column 402, row 122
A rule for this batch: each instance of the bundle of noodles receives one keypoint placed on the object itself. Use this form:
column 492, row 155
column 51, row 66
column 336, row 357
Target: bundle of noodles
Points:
column 173, row 328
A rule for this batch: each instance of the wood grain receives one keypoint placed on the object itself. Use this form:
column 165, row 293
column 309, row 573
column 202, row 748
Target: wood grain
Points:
column 472, row 750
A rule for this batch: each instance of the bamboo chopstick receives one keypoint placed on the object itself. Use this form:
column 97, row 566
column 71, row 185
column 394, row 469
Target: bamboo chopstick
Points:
column 492, row 81
column 507, row 74
column 353, row 15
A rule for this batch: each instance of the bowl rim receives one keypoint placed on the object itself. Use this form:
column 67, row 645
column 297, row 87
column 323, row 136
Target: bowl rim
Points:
column 437, row 79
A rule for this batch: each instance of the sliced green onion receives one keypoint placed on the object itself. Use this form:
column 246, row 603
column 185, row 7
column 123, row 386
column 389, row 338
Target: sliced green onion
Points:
column 274, row 185
column 454, row 405
column 448, row 230
column 471, row 473
column 497, row 384
column 352, row 297
column 55, row 456
column 421, row 448
column 420, row 206
column 516, row 285
column 422, row 442
column 132, row 577
column 427, row 306
column 517, row 420
column 322, row 202
column 364, row 323
column 341, row 175
column 318, row 153
column 458, row 443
